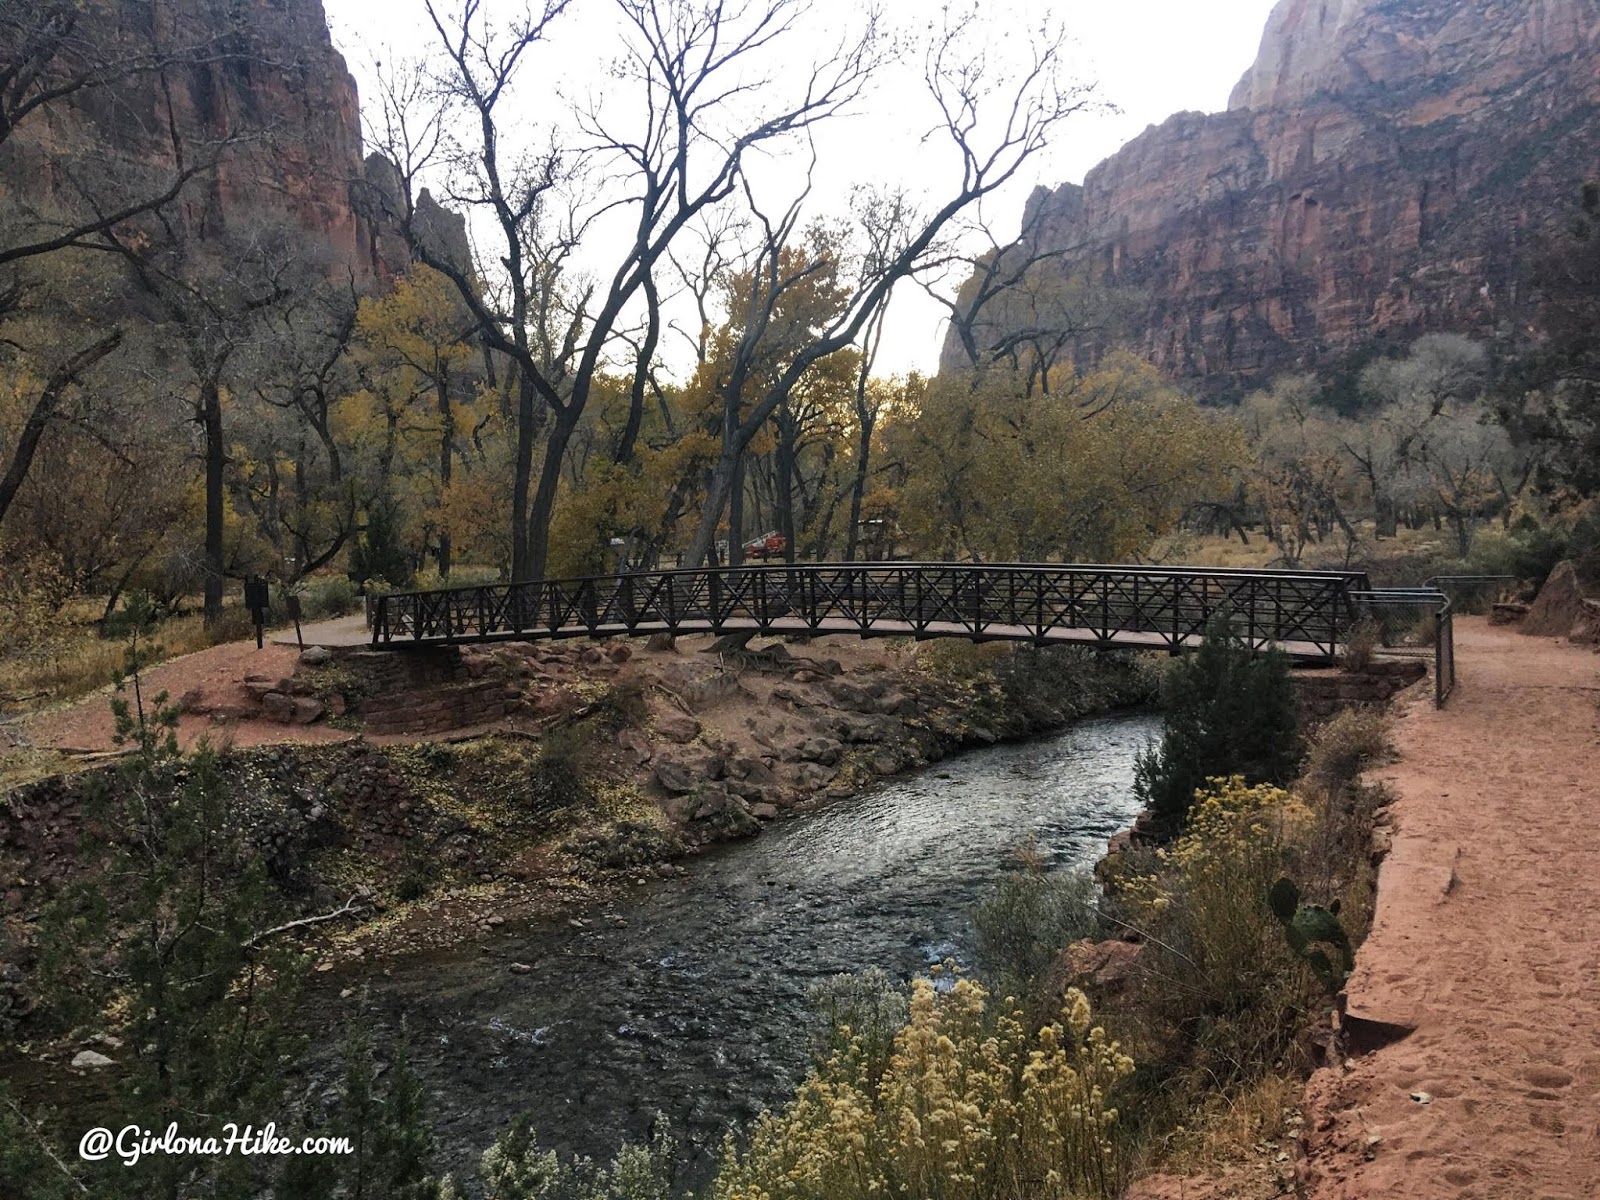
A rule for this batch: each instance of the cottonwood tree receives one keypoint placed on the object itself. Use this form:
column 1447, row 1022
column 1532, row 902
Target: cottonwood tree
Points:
column 688, row 103
column 1018, row 302
column 992, row 472
column 1551, row 400
column 1300, row 469
column 212, row 298
column 994, row 129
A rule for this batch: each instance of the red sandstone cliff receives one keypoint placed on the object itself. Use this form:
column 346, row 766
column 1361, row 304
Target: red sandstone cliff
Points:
column 264, row 74
column 1386, row 168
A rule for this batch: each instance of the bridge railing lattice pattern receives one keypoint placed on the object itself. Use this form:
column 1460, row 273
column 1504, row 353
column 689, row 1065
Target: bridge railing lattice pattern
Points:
column 1307, row 613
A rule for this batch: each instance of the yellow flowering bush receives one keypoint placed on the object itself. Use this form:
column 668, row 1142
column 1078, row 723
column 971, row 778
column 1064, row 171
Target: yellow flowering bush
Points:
column 1220, row 975
column 970, row 1107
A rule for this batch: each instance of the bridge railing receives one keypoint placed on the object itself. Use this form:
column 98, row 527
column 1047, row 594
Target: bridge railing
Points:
column 1420, row 619
column 1156, row 606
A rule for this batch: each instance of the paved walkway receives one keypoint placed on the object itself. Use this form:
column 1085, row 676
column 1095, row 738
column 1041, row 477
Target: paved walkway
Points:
column 1486, row 942
column 340, row 632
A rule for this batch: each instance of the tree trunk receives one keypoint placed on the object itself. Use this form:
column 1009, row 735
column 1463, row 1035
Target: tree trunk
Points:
column 537, row 556
column 43, row 410
column 1386, row 520
column 717, row 490
column 858, row 489
column 736, row 514
column 447, row 437
column 216, row 455
column 522, row 565
column 783, row 492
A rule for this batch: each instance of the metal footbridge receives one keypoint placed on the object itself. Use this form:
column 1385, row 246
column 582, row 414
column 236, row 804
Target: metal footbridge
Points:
column 1306, row 614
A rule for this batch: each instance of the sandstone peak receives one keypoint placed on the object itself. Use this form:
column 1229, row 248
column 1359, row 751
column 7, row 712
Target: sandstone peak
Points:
column 1386, row 168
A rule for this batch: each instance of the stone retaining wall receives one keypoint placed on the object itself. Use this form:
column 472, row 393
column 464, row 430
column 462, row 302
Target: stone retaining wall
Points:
column 1325, row 693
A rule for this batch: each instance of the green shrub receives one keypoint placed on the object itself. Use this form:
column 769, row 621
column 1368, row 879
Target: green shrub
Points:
column 1028, row 919
column 1222, row 992
column 517, row 1167
column 1361, row 645
column 866, row 1010
column 329, row 596
column 1228, row 711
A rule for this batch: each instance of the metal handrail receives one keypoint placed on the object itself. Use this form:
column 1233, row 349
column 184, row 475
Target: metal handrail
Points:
column 1444, row 640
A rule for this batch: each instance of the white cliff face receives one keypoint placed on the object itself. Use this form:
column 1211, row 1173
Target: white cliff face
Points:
column 1343, row 47
column 1302, row 52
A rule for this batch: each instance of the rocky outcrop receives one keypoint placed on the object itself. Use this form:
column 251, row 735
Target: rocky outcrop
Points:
column 1562, row 609
column 260, row 75
column 1386, row 168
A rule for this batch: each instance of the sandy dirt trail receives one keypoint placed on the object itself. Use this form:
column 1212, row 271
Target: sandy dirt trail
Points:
column 1487, row 942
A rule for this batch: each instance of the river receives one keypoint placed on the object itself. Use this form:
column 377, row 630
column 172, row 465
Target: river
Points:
column 689, row 998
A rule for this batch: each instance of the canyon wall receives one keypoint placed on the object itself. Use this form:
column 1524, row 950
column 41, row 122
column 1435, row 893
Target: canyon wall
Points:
column 1386, row 168
column 262, row 75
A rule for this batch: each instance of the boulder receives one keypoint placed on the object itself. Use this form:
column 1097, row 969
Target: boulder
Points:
column 90, row 1060
column 818, row 750
column 722, row 816
column 1509, row 612
column 304, row 710
column 278, row 707
column 752, row 770
column 678, row 728
column 811, row 776
column 1586, row 629
column 710, row 690
column 193, row 701
column 619, row 654
column 852, row 698
column 1559, row 606
column 316, row 656
column 635, row 745
column 677, row 778
column 764, row 812
column 1104, row 966
column 858, row 729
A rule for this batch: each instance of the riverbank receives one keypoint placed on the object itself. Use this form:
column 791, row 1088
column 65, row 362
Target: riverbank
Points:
column 613, row 766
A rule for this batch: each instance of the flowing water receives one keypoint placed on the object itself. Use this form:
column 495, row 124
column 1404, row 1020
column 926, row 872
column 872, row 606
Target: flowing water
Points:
column 689, row 999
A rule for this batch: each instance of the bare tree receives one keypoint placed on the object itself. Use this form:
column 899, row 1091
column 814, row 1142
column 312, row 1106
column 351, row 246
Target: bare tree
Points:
column 213, row 298
column 695, row 111
column 995, row 130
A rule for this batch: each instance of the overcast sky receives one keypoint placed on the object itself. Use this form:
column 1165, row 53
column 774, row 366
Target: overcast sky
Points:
column 1148, row 58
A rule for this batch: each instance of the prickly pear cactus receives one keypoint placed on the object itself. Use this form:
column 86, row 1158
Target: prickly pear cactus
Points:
column 1309, row 927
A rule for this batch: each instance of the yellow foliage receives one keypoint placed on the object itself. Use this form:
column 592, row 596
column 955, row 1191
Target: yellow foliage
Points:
column 970, row 1107
column 1095, row 471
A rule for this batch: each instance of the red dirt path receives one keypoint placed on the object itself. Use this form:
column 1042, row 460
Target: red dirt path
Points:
column 218, row 673
column 1487, row 941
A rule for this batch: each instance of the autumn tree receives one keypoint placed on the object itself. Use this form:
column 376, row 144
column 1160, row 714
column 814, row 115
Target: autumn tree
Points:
column 420, row 415
column 696, row 90
column 1098, row 470
column 993, row 131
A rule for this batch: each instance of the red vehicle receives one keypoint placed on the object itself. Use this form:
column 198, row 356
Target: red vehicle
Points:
column 768, row 545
